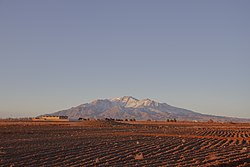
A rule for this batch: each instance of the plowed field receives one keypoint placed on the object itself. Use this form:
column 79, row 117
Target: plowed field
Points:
column 100, row 143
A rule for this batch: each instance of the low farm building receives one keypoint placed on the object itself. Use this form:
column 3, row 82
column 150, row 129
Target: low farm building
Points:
column 51, row 118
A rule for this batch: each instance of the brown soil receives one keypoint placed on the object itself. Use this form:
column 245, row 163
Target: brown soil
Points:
column 107, row 143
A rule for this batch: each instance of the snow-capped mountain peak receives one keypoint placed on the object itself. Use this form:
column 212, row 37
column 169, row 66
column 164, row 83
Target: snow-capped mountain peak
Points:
column 131, row 102
column 126, row 101
column 149, row 103
column 130, row 107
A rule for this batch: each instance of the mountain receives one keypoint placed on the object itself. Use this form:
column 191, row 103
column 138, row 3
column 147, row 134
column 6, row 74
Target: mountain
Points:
column 128, row 107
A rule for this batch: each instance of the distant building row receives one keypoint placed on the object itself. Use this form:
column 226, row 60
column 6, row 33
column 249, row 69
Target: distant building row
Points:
column 51, row 118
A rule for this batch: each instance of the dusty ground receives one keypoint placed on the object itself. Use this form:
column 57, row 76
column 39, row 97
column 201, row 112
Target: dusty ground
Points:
column 94, row 143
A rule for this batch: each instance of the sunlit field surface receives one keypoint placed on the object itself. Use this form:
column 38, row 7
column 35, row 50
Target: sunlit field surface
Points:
column 109, row 143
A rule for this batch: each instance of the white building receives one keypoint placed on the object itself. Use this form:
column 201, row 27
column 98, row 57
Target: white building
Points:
column 51, row 118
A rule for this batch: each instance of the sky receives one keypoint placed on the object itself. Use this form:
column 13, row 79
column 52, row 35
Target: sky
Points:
column 190, row 54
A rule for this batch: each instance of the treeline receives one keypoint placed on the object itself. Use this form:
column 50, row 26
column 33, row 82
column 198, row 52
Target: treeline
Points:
column 168, row 120
column 171, row 120
column 126, row 120
column 106, row 119
column 16, row 119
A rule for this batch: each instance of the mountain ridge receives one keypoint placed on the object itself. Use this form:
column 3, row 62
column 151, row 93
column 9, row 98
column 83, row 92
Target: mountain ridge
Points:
column 128, row 107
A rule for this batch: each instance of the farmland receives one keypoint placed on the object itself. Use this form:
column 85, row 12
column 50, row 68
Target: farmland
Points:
column 107, row 143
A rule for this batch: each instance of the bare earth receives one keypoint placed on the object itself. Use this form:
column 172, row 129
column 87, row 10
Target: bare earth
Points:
column 104, row 143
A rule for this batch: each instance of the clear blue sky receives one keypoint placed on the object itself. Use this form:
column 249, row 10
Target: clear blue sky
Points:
column 58, row 54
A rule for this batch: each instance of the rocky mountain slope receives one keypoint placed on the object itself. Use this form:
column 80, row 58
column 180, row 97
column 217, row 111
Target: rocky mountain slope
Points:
column 128, row 107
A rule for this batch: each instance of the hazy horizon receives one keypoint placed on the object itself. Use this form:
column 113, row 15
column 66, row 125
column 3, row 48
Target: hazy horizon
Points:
column 59, row 54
